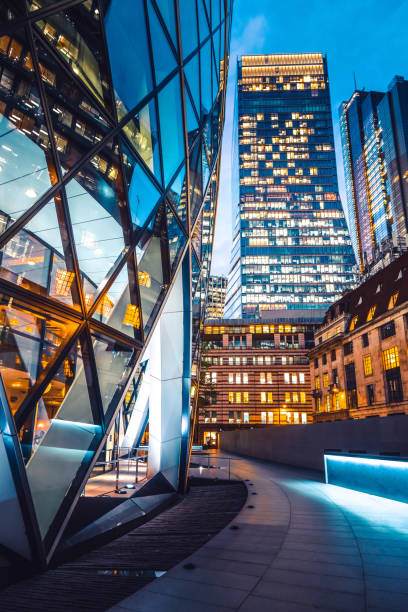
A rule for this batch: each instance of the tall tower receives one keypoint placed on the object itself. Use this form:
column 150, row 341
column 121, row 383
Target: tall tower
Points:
column 375, row 143
column 291, row 249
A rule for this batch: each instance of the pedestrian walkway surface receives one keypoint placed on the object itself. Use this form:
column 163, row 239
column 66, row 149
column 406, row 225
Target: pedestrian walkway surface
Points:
column 297, row 545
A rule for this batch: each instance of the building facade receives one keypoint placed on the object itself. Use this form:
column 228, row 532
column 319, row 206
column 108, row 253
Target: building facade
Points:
column 253, row 375
column 359, row 365
column 112, row 115
column 291, row 248
column 216, row 297
column 374, row 142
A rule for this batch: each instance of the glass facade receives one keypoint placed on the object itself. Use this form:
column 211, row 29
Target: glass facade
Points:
column 216, row 297
column 291, row 247
column 111, row 119
column 374, row 142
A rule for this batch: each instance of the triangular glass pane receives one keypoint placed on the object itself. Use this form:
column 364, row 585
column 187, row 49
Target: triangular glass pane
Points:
column 81, row 48
column 34, row 258
column 214, row 79
column 177, row 240
column 117, row 309
column 206, row 170
column 171, row 127
column 192, row 75
column 195, row 272
column 196, row 237
column 132, row 79
column 166, row 8
column 202, row 21
column 192, row 122
column 141, row 131
column 112, row 364
column 196, row 181
column 206, row 69
column 143, row 194
column 215, row 13
column 188, row 25
column 217, row 51
column 94, row 210
column 177, row 194
column 164, row 60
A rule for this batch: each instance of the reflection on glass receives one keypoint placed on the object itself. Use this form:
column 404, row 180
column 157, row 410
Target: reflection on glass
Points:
column 196, row 237
column 164, row 60
column 142, row 133
column 151, row 263
column 171, row 124
column 206, row 70
column 188, row 24
column 192, row 75
column 166, row 8
column 112, row 360
column 177, row 240
column 177, row 194
column 196, row 181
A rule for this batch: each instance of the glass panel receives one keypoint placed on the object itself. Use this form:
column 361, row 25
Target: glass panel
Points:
column 192, row 122
column 151, row 266
column 117, row 309
column 166, row 8
column 26, row 166
column 28, row 342
column 34, row 259
column 192, row 75
column 196, row 237
column 202, row 21
column 177, row 194
column 206, row 69
column 171, row 126
column 142, row 133
column 143, row 195
column 76, row 35
column 206, row 170
column 196, row 181
column 177, row 240
column 132, row 80
column 96, row 218
column 112, row 359
column 188, row 25
column 195, row 272
column 164, row 60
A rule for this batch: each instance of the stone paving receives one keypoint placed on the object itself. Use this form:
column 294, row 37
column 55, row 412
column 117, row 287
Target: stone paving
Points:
column 297, row 545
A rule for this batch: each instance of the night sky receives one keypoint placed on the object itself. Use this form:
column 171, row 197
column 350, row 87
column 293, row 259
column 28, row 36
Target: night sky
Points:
column 365, row 37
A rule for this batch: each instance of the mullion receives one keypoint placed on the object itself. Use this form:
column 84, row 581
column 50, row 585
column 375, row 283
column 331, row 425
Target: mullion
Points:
column 108, row 68
column 92, row 379
column 164, row 28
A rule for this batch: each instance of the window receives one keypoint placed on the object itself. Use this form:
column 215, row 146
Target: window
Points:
column 302, row 397
column 268, row 360
column 295, row 397
column 337, row 330
column 262, row 378
column 238, row 378
column 371, row 313
column 239, row 416
column 304, row 418
column 246, row 417
column 269, row 397
column 260, row 360
column 296, row 418
column 237, row 360
column 263, row 397
column 325, row 380
column 230, row 397
column 230, row 378
column 317, row 382
column 370, row 395
column 221, row 360
column 348, row 348
column 333, row 355
column 245, row 378
column 390, row 358
column 269, row 378
column 245, row 396
column 213, row 416
column 324, row 359
column 353, row 323
column 230, row 361
column 213, row 377
column 393, row 301
column 328, row 403
column 231, row 416
column 294, row 379
column 263, row 417
column 287, row 397
column 286, row 378
column 238, row 397
column 244, row 360
column 368, row 366
column 364, row 339
column 302, row 378
column 270, row 418
column 207, row 377
column 316, row 362
column 387, row 330
column 335, row 376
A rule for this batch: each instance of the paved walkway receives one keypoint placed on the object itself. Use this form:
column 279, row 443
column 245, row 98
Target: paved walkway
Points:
column 298, row 545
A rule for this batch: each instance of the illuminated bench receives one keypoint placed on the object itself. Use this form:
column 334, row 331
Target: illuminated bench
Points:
column 376, row 475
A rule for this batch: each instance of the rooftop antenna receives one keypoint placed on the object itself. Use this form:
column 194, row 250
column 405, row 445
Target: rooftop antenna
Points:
column 355, row 81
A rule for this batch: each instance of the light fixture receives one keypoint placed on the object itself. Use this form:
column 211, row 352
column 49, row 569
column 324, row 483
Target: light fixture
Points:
column 31, row 193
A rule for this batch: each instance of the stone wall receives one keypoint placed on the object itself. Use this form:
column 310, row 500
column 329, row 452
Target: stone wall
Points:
column 304, row 445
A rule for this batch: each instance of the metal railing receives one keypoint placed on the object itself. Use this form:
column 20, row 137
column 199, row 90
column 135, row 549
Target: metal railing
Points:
column 208, row 461
column 117, row 470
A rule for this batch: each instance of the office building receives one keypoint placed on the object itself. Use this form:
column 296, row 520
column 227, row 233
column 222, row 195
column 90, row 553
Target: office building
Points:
column 291, row 248
column 104, row 108
column 359, row 365
column 216, row 297
column 253, row 375
column 374, row 142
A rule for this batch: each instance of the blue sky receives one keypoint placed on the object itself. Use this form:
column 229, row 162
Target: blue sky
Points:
column 367, row 37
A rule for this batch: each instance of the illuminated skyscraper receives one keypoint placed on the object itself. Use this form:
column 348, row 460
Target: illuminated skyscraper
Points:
column 291, row 247
column 375, row 143
column 217, row 286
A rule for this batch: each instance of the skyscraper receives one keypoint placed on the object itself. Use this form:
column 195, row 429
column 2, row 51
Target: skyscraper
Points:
column 111, row 120
column 217, row 286
column 374, row 136
column 291, row 248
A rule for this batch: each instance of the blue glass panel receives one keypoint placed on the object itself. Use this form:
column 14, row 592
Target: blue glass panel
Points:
column 195, row 272
column 196, row 237
column 196, row 181
column 111, row 359
column 215, row 13
column 192, row 122
column 192, row 75
column 206, row 170
column 206, row 69
column 141, row 130
column 143, row 194
column 171, row 126
column 166, row 8
column 132, row 80
column 177, row 195
column 164, row 60
column 188, row 24
column 202, row 21
column 177, row 240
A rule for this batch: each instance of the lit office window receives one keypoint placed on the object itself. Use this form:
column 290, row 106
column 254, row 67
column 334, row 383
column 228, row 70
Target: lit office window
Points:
column 286, row 377
column 245, row 378
column 304, row 418
column 262, row 379
column 368, row 366
column 238, row 378
column 269, row 378
column 301, row 378
column 390, row 358
column 294, row 379
column 302, row 397
column 263, row 397
column 270, row 417
column 238, row 397
column 325, row 380
column 230, row 378
column 317, row 382
column 230, row 397
column 245, row 397
column 263, row 417
column 246, row 417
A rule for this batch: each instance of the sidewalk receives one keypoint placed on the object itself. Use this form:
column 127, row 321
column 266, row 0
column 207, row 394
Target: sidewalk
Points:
column 298, row 545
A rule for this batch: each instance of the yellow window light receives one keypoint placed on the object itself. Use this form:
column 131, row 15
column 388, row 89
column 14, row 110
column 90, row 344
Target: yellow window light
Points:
column 132, row 316
column 145, row 280
column 63, row 282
